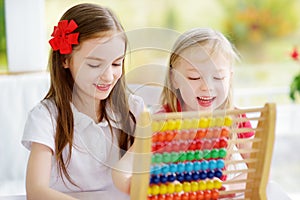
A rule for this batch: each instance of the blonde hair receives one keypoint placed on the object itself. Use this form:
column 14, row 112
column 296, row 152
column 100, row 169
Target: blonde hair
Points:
column 211, row 40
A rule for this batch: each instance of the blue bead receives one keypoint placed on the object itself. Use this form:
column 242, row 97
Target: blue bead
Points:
column 220, row 164
column 180, row 177
column 210, row 174
column 180, row 167
column 171, row 178
column 189, row 166
column 196, row 176
column 218, row 173
column 156, row 169
column 203, row 175
column 212, row 164
column 188, row 176
column 155, row 179
column 165, row 169
column 197, row 166
column 204, row 165
column 163, row 178
column 173, row 168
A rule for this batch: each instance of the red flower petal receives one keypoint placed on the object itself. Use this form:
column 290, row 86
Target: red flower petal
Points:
column 295, row 54
column 63, row 38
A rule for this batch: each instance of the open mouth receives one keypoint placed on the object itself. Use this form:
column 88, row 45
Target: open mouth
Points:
column 205, row 101
column 102, row 87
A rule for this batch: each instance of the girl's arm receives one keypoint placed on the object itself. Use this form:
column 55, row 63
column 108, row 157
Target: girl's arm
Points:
column 38, row 174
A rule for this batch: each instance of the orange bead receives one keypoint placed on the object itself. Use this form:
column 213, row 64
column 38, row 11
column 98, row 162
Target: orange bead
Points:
column 185, row 196
column 201, row 133
column 214, row 194
column 207, row 194
column 200, row 195
column 193, row 196
column 225, row 132
column 169, row 136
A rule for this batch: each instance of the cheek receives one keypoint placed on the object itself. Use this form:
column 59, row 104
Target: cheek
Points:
column 118, row 73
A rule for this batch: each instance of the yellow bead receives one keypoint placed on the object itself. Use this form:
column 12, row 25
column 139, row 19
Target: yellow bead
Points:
column 149, row 191
column 171, row 124
column 178, row 187
column 186, row 187
column 178, row 123
column 187, row 124
column 163, row 189
column 211, row 122
column 203, row 122
column 171, row 188
column 155, row 190
column 228, row 121
column 194, row 186
column 209, row 185
column 202, row 185
column 217, row 184
column 195, row 123
column 164, row 126
column 220, row 121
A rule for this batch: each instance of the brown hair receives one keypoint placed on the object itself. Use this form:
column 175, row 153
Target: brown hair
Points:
column 93, row 21
column 216, row 43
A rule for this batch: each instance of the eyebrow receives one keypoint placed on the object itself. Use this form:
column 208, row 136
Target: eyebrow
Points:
column 101, row 59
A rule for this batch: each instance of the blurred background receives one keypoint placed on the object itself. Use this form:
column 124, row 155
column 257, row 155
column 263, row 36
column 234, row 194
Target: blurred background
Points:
column 265, row 32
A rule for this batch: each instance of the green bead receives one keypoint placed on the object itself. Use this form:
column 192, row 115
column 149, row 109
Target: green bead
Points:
column 214, row 153
column 198, row 155
column 158, row 158
column 222, row 153
column 153, row 159
column 206, row 154
column 190, row 155
column 166, row 157
column 174, row 157
column 182, row 156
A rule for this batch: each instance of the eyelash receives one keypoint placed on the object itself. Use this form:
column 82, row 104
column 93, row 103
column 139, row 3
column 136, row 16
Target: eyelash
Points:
column 96, row 66
column 216, row 78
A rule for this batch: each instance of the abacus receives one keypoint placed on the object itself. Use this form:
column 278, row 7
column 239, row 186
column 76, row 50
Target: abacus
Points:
column 187, row 155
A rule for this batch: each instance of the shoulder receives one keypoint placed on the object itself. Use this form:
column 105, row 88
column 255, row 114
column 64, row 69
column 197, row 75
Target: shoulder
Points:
column 136, row 104
column 40, row 124
column 245, row 124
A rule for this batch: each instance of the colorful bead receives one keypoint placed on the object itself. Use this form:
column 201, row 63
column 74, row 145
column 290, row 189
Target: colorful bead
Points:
column 204, row 165
column 186, row 187
column 209, row 185
column 201, row 133
column 163, row 178
column 173, row 168
column 178, row 187
column 188, row 176
column 166, row 157
column 171, row 178
column 163, row 189
column 210, row 174
column 197, row 166
column 198, row 155
column 180, row 177
column 223, row 142
column 202, row 185
column 217, row 184
column 196, row 175
column 180, row 167
column 214, row 153
column 212, row 164
column 194, row 186
column 203, row 122
column 220, row 121
column 218, row 173
column 189, row 166
column 222, row 153
column 220, row 164
column 155, row 190
column 170, row 188
column 228, row 121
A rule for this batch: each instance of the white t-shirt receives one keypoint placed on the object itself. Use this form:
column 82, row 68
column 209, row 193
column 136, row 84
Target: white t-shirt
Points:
column 94, row 150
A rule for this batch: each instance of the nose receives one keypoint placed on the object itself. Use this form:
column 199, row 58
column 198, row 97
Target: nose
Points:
column 204, row 85
column 107, row 76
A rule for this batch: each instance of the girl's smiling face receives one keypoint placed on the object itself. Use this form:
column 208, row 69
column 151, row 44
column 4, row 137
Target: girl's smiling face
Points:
column 96, row 66
column 203, row 80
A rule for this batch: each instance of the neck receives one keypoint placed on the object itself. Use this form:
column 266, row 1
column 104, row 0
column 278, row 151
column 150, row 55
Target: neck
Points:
column 87, row 105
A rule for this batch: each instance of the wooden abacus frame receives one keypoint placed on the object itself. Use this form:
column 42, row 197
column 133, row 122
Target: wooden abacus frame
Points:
column 258, row 163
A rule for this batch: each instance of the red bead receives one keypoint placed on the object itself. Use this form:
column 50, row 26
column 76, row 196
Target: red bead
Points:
column 215, row 194
column 185, row 196
column 168, row 147
column 176, row 135
column 177, row 196
column 193, row 145
column 225, row 132
column 155, row 137
column 215, row 142
column 169, row 197
column 223, row 142
column 169, row 136
column 201, row 133
column 200, row 195
column 161, row 197
column 154, row 147
column 207, row 144
column 184, row 134
column 161, row 136
column 199, row 144
column 207, row 194
column 176, row 146
column 193, row 196
column 192, row 134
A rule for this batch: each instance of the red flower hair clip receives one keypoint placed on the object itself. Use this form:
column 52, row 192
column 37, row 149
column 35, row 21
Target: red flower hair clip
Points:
column 63, row 38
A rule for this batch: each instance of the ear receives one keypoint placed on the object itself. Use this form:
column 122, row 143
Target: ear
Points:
column 173, row 78
column 66, row 63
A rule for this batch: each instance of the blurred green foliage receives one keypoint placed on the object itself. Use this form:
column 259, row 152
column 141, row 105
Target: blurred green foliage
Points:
column 3, row 58
column 252, row 22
